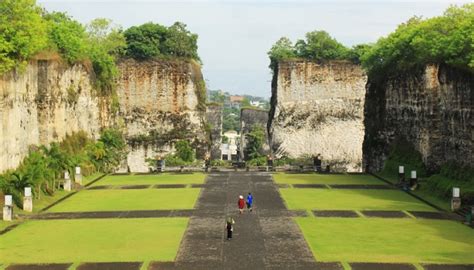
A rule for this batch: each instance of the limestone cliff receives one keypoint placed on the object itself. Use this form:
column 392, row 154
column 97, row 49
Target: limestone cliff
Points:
column 214, row 119
column 318, row 108
column 44, row 103
column 250, row 117
column 430, row 108
column 160, row 101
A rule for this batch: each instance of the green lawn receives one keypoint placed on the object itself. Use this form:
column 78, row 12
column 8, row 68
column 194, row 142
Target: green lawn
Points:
column 388, row 240
column 129, row 199
column 331, row 179
column 351, row 199
column 93, row 240
column 151, row 179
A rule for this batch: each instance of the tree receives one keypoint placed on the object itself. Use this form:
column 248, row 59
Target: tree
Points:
column 22, row 33
column 319, row 45
column 67, row 36
column 255, row 139
column 143, row 42
column 106, row 41
column 180, row 42
column 184, row 151
column 282, row 49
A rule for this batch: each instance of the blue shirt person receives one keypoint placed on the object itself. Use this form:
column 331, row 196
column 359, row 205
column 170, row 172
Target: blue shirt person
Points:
column 249, row 202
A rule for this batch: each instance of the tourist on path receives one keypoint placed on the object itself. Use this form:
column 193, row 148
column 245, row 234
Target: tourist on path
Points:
column 230, row 227
column 241, row 204
column 249, row 202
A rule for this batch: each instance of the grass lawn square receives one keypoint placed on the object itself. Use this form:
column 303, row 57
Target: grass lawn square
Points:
column 93, row 240
column 152, row 179
column 388, row 240
column 129, row 199
column 330, row 179
column 351, row 199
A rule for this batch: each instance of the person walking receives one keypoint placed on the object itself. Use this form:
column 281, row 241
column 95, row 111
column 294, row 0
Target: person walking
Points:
column 229, row 225
column 241, row 204
column 249, row 202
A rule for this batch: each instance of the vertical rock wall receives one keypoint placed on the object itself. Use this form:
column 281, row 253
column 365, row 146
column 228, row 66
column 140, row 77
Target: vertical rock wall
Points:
column 430, row 108
column 214, row 119
column 248, row 118
column 43, row 103
column 160, row 101
column 319, row 108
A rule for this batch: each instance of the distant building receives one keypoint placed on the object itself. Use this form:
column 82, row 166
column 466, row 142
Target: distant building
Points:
column 256, row 103
column 236, row 101
column 229, row 150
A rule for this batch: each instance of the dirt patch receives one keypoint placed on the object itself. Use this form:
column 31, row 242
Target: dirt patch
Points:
column 335, row 213
column 110, row 266
column 385, row 214
column 283, row 185
column 382, row 266
column 197, row 185
column 306, row 266
column 58, row 266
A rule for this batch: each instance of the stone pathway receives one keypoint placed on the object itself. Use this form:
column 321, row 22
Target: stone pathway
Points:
column 266, row 238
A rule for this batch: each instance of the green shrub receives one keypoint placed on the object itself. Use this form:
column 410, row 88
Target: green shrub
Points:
column 220, row 162
column 258, row 161
column 22, row 33
column 404, row 153
column 184, row 151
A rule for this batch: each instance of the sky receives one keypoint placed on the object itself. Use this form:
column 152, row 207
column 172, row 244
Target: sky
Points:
column 235, row 35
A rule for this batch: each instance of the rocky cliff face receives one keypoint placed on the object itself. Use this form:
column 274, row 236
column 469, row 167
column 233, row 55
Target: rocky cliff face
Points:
column 44, row 103
column 430, row 108
column 248, row 118
column 160, row 102
column 319, row 108
column 214, row 119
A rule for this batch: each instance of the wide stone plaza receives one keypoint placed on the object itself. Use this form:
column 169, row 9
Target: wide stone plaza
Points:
column 177, row 221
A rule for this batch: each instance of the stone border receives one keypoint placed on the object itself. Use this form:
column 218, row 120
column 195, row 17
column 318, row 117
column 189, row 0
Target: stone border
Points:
column 448, row 266
column 115, row 214
column 349, row 186
column 49, row 266
column 335, row 213
column 381, row 266
column 384, row 214
column 110, row 266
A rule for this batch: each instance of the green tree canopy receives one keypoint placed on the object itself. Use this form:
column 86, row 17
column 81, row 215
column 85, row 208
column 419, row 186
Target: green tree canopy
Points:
column 319, row 45
column 255, row 139
column 444, row 39
column 152, row 40
column 22, row 33
column 282, row 49
column 184, row 151
column 67, row 36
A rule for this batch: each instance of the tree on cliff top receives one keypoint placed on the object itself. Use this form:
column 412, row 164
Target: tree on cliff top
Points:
column 22, row 33
column 152, row 40
column 444, row 39
column 318, row 46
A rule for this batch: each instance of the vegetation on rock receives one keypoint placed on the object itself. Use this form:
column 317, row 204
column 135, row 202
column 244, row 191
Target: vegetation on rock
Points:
column 45, row 165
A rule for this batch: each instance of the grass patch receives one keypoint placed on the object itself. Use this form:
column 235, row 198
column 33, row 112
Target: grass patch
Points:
column 58, row 241
column 141, row 199
column 166, row 178
column 331, row 179
column 383, row 240
column 351, row 199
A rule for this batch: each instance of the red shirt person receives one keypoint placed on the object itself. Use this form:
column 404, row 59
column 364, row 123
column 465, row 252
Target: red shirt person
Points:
column 241, row 204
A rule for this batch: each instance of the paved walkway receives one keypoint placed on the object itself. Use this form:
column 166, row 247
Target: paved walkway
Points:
column 267, row 238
